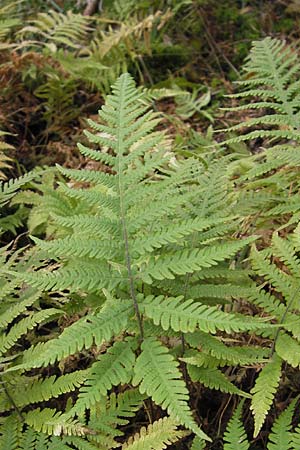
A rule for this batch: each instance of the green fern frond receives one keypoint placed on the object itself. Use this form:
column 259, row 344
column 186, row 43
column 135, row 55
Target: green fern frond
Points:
column 111, row 413
column 156, row 436
column 288, row 349
column 285, row 250
column 111, row 320
column 10, row 431
column 214, row 379
column 78, row 275
column 78, row 246
column 188, row 261
column 26, row 301
column 165, row 236
column 33, row 390
column 10, row 187
column 213, row 345
column 50, row 421
column 264, row 391
column 278, row 278
column 272, row 92
column 296, row 439
column 198, row 444
column 235, row 436
column 157, row 374
column 188, row 315
column 281, row 437
column 7, row 340
column 113, row 368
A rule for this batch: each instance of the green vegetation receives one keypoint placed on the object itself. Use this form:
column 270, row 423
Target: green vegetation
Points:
column 149, row 276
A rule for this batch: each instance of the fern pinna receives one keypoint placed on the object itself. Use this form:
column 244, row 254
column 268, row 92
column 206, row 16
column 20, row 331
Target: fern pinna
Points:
column 144, row 245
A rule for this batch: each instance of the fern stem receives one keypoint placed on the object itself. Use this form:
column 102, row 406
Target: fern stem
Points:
column 130, row 278
column 120, row 138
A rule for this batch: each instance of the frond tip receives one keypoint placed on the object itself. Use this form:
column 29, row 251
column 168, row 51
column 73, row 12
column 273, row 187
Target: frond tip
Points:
column 235, row 436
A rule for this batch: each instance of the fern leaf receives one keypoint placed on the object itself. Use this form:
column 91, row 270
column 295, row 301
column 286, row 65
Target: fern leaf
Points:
column 187, row 315
column 108, row 416
column 38, row 390
column 9, row 188
column 264, row 391
column 188, row 261
column 214, row 379
column 115, row 367
column 11, row 313
column 198, row 444
column 286, row 252
column 22, row 327
column 280, row 437
column 105, row 180
column 272, row 73
column 296, row 439
column 156, row 436
column 157, row 374
column 82, row 334
column 288, row 349
column 29, row 440
column 279, row 279
column 78, row 246
column 232, row 355
column 172, row 234
column 50, row 421
column 235, row 436
column 10, row 431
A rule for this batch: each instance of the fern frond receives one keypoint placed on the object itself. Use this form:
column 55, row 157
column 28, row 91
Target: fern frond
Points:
column 214, row 379
column 157, row 374
column 172, row 234
column 295, row 439
column 235, row 436
column 78, row 246
column 278, row 278
column 187, row 315
column 9, row 339
column 213, row 345
column 10, row 314
column 37, row 390
column 271, row 79
column 188, row 261
column 198, row 444
column 50, row 421
column 10, row 432
column 111, row 320
column 288, row 349
column 156, row 436
column 9, row 188
column 113, row 368
column 78, row 275
column 111, row 413
column 264, row 391
column 280, row 437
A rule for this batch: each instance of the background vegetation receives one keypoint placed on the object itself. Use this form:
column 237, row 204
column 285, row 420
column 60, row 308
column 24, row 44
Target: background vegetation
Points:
column 149, row 278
